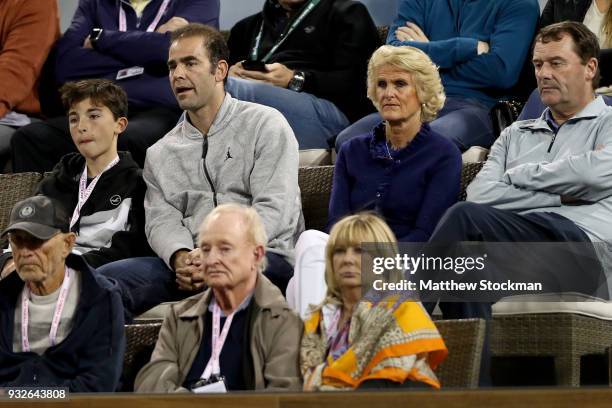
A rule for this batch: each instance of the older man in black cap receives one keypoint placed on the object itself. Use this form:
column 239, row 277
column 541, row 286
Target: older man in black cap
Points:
column 61, row 324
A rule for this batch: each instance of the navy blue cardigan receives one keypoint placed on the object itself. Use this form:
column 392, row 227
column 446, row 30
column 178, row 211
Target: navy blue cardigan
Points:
column 411, row 190
column 88, row 359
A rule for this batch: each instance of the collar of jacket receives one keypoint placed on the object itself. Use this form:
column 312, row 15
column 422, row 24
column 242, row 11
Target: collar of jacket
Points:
column 91, row 284
column 11, row 287
column 266, row 296
column 378, row 143
column 222, row 120
column 71, row 167
column 595, row 108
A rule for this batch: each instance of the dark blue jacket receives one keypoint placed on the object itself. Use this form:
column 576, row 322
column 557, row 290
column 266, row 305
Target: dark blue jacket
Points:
column 89, row 359
column 116, row 50
column 411, row 191
column 454, row 28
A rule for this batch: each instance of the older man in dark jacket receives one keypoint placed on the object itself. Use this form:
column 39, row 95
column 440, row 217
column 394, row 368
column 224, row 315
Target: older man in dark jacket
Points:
column 61, row 324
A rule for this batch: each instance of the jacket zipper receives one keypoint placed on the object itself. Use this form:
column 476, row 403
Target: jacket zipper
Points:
column 554, row 137
column 212, row 186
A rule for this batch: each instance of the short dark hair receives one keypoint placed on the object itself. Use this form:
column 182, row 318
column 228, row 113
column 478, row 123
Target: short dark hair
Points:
column 586, row 45
column 213, row 41
column 102, row 92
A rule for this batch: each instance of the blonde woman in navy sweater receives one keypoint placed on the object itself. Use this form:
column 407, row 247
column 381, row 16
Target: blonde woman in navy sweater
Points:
column 402, row 170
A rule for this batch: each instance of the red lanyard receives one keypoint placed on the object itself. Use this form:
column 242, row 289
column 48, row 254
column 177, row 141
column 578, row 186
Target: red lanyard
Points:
column 57, row 314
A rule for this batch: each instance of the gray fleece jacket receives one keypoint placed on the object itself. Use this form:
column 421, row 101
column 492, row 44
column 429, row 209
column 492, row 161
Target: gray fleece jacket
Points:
column 252, row 159
column 529, row 169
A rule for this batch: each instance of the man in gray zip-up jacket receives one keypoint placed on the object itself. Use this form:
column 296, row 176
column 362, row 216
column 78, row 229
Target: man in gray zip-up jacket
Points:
column 547, row 179
column 223, row 151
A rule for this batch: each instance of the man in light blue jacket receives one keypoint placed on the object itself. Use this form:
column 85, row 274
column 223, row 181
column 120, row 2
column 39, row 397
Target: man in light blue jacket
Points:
column 547, row 179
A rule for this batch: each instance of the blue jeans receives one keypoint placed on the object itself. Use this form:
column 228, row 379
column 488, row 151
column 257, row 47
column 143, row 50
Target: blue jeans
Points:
column 143, row 283
column 146, row 282
column 313, row 120
column 466, row 122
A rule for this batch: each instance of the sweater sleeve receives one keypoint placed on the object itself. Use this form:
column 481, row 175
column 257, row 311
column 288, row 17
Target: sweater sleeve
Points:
column 239, row 40
column 75, row 62
column 32, row 30
column 490, row 188
column 274, row 178
column 163, row 222
column 509, row 44
column 340, row 199
column 442, row 190
column 128, row 46
column 444, row 53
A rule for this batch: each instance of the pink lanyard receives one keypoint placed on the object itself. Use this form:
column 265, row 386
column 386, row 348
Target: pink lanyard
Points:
column 152, row 26
column 57, row 314
column 85, row 190
column 333, row 328
column 212, row 367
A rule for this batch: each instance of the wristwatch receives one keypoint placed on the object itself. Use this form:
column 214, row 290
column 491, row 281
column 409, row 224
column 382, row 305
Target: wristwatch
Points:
column 95, row 35
column 297, row 82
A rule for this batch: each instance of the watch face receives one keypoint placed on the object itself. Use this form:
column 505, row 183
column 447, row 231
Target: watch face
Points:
column 297, row 82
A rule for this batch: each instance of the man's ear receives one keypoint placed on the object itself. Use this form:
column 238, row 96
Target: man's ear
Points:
column 259, row 252
column 69, row 240
column 221, row 70
column 591, row 68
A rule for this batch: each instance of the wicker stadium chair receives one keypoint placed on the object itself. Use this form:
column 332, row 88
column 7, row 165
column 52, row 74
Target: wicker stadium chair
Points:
column 565, row 336
column 315, row 186
column 14, row 188
column 468, row 172
column 316, row 183
column 140, row 339
column 464, row 339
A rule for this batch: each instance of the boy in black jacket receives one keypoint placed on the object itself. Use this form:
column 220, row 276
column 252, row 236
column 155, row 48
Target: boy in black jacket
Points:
column 104, row 188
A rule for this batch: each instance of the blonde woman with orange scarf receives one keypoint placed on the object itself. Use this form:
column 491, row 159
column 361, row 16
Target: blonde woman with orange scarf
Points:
column 350, row 342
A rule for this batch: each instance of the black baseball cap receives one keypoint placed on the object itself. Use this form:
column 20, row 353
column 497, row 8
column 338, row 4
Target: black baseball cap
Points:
column 40, row 216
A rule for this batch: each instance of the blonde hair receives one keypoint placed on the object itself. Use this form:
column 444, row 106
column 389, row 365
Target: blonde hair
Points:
column 254, row 228
column 354, row 231
column 425, row 74
column 606, row 28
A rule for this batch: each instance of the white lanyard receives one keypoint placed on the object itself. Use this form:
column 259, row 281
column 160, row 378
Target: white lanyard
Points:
column 57, row 314
column 212, row 367
column 85, row 190
column 152, row 26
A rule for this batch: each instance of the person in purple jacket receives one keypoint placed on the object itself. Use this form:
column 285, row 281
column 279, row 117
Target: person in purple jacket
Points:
column 122, row 40
column 402, row 170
